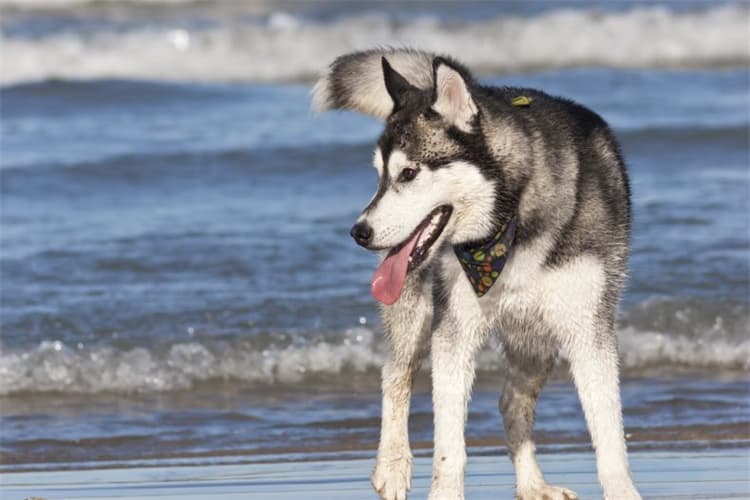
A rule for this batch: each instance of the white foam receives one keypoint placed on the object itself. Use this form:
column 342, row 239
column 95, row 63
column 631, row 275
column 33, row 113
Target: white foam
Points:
column 652, row 349
column 285, row 47
column 54, row 366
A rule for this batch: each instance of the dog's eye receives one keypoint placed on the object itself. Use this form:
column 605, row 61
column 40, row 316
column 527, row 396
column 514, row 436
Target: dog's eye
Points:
column 407, row 174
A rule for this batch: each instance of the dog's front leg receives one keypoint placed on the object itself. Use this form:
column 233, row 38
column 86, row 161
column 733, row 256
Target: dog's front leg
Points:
column 407, row 326
column 453, row 353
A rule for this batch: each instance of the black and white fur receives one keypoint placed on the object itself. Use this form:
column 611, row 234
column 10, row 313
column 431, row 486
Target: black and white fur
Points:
column 558, row 167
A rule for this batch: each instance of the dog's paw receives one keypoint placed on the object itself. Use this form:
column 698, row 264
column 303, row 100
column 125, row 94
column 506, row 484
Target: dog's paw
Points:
column 624, row 491
column 392, row 476
column 546, row 492
column 446, row 494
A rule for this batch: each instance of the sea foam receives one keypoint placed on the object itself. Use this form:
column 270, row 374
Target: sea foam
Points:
column 280, row 46
column 53, row 366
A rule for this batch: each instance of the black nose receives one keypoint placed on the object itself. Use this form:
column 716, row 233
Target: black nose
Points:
column 362, row 233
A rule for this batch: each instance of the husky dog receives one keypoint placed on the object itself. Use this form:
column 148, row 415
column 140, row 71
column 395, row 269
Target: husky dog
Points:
column 534, row 189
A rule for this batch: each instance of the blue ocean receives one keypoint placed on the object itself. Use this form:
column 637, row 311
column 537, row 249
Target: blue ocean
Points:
column 177, row 282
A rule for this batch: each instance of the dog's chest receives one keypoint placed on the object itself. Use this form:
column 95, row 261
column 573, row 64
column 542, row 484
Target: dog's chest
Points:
column 530, row 305
column 510, row 304
column 526, row 305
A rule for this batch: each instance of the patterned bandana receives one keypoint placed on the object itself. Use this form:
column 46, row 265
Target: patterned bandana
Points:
column 484, row 262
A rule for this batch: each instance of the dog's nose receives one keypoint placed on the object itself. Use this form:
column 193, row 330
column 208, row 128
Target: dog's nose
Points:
column 362, row 233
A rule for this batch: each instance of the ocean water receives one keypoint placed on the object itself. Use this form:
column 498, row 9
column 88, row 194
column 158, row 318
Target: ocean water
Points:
column 176, row 276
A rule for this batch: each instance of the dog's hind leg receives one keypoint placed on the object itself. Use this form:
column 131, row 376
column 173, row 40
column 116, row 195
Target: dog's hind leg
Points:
column 526, row 377
column 407, row 325
column 594, row 366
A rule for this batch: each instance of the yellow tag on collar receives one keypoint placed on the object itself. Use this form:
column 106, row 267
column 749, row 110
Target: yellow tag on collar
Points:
column 521, row 100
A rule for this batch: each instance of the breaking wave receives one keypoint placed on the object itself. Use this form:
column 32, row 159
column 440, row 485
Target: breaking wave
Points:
column 55, row 366
column 280, row 46
column 697, row 341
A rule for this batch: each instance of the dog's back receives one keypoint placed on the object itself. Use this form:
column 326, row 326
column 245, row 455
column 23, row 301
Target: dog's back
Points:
column 566, row 159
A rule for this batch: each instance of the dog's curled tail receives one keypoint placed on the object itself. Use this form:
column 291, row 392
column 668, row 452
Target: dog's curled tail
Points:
column 355, row 81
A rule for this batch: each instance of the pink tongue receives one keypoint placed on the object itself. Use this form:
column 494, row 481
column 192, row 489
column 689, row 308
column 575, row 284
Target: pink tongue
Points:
column 388, row 280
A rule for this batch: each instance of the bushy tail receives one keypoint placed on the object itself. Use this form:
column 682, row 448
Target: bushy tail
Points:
column 355, row 81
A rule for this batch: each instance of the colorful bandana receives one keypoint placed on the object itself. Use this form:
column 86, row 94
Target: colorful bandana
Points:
column 484, row 262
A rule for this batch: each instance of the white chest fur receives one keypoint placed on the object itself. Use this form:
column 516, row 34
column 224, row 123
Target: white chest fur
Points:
column 530, row 303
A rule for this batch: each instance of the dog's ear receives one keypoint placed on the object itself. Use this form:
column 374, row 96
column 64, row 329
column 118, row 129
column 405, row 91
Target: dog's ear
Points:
column 357, row 81
column 452, row 96
column 397, row 86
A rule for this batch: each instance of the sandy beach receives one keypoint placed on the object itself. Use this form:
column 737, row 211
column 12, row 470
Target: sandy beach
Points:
column 685, row 474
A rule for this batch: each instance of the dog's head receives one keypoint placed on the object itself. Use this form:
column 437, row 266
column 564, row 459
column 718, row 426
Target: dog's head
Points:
column 432, row 187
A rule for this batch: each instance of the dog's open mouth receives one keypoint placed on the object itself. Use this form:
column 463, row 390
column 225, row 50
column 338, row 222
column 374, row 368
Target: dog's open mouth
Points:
column 388, row 280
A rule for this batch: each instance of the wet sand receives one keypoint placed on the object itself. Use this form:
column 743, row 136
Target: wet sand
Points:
column 658, row 474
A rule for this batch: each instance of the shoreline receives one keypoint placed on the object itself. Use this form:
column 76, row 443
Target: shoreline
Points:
column 658, row 474
column 241, row 426
column 475, row 447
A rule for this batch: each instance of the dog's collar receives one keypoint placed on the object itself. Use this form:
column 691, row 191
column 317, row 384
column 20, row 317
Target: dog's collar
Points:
column 483, row 262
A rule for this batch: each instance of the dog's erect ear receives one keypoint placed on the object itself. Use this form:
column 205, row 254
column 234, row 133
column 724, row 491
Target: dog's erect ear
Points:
column 357, row 81
column 452, row 97
column 397, row 86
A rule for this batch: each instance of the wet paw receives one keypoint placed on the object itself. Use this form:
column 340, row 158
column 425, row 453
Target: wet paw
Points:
column 546, row 492
column 446, row 494
column 623, row 491
column 392, row 477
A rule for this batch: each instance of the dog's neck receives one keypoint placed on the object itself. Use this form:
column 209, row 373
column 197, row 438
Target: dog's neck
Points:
column 483, row 262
